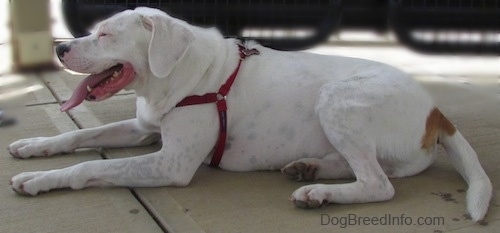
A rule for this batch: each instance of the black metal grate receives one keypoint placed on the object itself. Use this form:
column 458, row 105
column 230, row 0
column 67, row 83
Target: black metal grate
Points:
column 282, row 24
column 456, row 26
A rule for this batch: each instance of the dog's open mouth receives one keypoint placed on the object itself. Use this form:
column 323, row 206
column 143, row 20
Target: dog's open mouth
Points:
column 100, row 86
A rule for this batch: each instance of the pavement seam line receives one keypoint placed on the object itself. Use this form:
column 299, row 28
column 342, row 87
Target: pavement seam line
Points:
column 151, row 213
column 41, row 104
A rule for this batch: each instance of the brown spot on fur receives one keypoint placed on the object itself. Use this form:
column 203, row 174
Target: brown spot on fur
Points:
column 436, row 122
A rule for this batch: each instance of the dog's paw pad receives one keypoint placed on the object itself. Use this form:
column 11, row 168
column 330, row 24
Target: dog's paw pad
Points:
column 15, row 154
column 20, row 191
column 27, row 183
column 300, row 171
column 309, row 204
column 310, row 196
column 32, row 147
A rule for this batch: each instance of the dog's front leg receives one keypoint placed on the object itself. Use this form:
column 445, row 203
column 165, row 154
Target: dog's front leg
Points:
column 156, row 169
column 188, row 135
column 120, row 134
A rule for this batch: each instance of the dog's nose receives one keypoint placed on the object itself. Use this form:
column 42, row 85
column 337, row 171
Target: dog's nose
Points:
column 61, row 49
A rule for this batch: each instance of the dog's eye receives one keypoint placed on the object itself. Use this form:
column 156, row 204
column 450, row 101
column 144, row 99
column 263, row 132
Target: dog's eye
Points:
column 102, row 34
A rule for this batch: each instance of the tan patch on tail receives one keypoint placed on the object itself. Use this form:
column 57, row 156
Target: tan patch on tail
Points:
column 436, row 122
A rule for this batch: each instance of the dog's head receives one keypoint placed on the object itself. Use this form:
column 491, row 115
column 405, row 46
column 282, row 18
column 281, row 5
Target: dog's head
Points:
column 122, row 50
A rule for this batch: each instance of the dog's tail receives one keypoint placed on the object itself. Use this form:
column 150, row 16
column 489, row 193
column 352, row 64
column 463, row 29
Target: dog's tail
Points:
column 465, row 161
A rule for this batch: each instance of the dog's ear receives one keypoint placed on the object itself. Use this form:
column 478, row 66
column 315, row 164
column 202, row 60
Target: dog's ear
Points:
column 170, row 41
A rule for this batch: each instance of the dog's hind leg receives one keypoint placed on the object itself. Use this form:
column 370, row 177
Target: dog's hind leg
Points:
column 332, row 166
column 420, row 160
column 348, row 125
column 371, row 183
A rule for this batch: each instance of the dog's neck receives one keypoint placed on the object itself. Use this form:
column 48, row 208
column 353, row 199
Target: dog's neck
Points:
column 206, row 65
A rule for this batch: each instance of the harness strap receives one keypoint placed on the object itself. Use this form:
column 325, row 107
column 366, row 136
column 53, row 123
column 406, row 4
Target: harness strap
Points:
column 220, row 99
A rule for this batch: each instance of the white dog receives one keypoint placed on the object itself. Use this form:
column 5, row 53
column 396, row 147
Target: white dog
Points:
column 316, row 117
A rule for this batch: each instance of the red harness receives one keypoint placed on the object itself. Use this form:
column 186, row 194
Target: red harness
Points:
column 220, row 99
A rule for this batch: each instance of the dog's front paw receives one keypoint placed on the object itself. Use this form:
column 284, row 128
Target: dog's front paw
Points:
column 40, row 146
column 300, row 171
column 29, row 183
column 310, row 196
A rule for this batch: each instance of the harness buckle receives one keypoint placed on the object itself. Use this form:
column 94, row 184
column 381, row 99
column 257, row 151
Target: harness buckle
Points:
column 220, row 97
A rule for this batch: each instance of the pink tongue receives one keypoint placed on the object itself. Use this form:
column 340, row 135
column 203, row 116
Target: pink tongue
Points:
column 81, row 90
